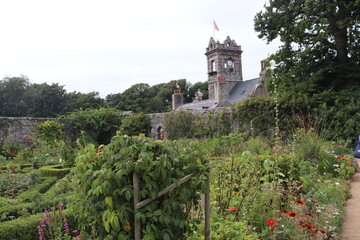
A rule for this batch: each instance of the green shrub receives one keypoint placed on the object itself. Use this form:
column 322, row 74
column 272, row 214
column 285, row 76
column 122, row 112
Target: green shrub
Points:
column 35, row 191
column 99, row 124
column 7, row 201
column 55, row 171
column 14, row 211
column 109, row 187
column 25, row 228
column 49, row 131
column 12, row 184
column 135, row 124
column 178, row 124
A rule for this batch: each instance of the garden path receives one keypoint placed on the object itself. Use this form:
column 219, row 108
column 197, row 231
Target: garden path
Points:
column 351, row 225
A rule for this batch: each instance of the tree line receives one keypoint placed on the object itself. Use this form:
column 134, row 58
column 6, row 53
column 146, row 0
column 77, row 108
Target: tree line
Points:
column 21, row 98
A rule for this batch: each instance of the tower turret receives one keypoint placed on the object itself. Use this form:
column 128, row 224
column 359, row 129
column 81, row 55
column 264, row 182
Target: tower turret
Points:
column 224, row 68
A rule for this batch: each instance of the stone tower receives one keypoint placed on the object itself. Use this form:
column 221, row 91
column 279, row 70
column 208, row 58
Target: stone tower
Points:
column 224, row 69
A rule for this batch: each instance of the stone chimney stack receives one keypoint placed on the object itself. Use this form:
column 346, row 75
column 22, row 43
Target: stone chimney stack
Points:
column 177, row 99
column 222, row 89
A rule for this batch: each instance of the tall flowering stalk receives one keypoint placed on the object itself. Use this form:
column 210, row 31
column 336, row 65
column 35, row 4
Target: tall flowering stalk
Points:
column 53, row 226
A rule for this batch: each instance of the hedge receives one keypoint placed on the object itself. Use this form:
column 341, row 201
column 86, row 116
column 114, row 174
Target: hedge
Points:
column 7, row 201
column 25, row 228
column 54, row 171
column 14, row 210
column 36, row 190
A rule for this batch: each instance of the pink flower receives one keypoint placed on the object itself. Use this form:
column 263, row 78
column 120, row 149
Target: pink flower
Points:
column 60, row 205
column 13, row 175
column 47, row 216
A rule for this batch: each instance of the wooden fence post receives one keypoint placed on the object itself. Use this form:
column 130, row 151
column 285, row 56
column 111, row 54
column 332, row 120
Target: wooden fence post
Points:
column 137, row 223
column 207, row 206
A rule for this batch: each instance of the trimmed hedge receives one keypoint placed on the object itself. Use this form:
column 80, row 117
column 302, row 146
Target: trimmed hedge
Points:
column 15, row 210
column 6, row 201
column 35, row 191
column 54, row 171
column 25, row 228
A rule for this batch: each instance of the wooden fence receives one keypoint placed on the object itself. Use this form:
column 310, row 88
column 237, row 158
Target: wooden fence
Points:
column 139, row 204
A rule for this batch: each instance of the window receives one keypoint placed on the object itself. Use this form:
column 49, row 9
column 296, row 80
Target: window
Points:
column 213, row 66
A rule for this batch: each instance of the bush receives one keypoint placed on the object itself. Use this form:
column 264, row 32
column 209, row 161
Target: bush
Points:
column 54, row 171
column 35, row 191
column 103, row 202
column 178, row 124
column 49, row 131
column 99, row 124
column 135, row 124
column 25, row 228
column 14, row 211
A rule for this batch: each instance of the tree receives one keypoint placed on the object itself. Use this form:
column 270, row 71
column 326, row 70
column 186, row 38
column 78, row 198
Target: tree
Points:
column 143, row 98
column 46, row 100
column 76, row 100
column 12, row 96
column 203, row 86
column 320, row 39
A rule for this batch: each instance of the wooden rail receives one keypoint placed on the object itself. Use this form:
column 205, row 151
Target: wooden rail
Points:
column 138, row 204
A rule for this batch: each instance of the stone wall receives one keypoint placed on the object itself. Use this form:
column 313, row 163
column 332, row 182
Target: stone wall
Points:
column 17, row 129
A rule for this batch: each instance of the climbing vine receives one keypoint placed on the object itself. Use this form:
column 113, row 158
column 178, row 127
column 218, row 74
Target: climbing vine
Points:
column 104, row 200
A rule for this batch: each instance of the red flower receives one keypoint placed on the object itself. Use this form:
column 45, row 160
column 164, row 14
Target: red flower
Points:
column 13, row 175
column 12, row 153
column 298, row 201
column 271, row 222
column 232, row 209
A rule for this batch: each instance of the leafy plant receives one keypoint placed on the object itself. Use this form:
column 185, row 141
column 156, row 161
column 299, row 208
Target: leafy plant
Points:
column 104, row 194
column 135, row 124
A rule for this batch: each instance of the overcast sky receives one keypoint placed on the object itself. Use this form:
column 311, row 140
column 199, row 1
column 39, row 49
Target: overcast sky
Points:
column 109, row 45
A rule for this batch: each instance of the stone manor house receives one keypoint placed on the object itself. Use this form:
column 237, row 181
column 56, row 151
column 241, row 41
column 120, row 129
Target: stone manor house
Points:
column 226, row 85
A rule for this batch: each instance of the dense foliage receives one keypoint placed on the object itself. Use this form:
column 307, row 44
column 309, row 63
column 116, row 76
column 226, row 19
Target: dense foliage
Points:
column 144, row 98
column 320, row 39
column 135, row 124
column 181, row 124
column 334, row 115
column 103, row 204
column 93, row 125
column 20, row 98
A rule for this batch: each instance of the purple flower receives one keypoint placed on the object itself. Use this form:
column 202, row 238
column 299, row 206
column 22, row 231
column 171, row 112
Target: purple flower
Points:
column 47, row 216
column 60, row 205
column 66, row 225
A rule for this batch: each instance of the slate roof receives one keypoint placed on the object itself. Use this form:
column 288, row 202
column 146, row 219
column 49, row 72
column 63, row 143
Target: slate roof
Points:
column 242, row 90
column 238, row 93
column 204, row 104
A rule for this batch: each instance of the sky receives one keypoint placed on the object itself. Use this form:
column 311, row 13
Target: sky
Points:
column 109, row 45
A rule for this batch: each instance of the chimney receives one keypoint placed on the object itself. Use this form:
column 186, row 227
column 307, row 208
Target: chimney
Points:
column 177, row 99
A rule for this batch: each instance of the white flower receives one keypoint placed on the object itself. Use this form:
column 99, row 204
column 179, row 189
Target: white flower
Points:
column 337, row 183
column 60, row 160
column 336, row 165
column 272, row 64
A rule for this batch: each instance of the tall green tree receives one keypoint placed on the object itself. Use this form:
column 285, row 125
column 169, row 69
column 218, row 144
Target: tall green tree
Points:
column 143, row 98
column 320, row 39
column 46, row 100
column 76, row 100
column 12, row 96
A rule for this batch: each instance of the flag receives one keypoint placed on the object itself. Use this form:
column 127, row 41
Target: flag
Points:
column 215, row 26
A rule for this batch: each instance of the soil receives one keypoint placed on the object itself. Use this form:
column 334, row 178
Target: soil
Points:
column 351, row 225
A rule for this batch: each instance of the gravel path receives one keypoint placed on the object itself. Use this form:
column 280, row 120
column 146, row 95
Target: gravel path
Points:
column 351, row 225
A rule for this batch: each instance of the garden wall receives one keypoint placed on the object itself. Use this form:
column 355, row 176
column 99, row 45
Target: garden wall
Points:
column 17, row 129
